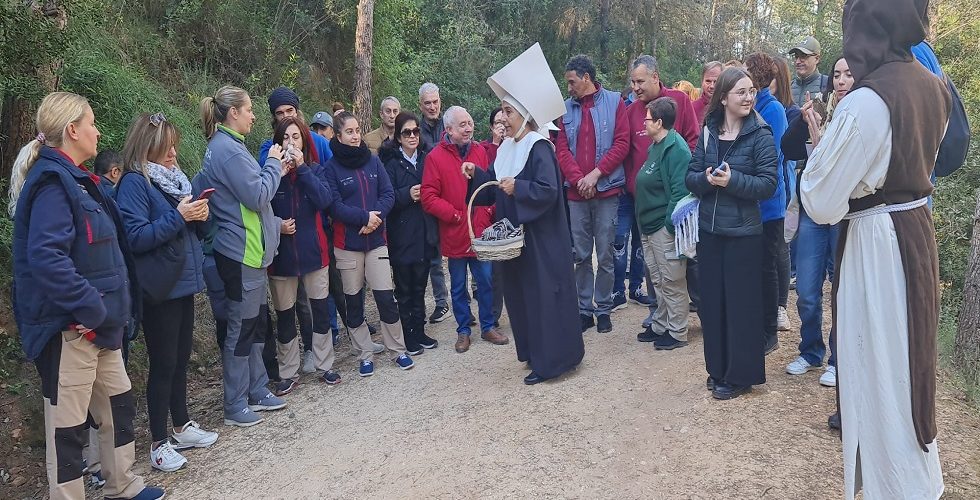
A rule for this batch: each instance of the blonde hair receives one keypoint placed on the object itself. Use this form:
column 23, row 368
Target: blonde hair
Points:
column 146, row 142
column 56, row 112
column 214, row 109
column 687, row 88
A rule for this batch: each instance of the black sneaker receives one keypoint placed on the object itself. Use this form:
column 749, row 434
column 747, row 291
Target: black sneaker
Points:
column 667, row 343
column 833, row 421
column 648, row 335
column 726, row 391
column 428, row 342
column 587, row 322
column 710, row 383
column 692, row 307
column 330, row 377
column 619, row 301
column 772, row 343
column 441, row 313
column 413, row 349
column 603, row 323
column 371, row 329
column 285, row 387
column 638, row 297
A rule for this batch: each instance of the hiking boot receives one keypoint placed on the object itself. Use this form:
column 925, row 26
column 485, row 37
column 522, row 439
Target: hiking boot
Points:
column 587, row 322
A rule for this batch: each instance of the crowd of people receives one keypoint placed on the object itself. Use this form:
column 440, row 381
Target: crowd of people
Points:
column 763, row 159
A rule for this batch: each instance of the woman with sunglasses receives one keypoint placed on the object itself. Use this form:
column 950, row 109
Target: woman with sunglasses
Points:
column 413, row 238
column 733, row 169
column 162, row 222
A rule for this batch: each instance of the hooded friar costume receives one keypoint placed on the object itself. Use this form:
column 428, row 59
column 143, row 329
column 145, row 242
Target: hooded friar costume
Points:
column 539, row 285
column 871, row 169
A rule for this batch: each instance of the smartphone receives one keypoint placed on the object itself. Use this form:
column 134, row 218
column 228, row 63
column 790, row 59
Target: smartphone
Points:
column 719, row 169
column 206, row 194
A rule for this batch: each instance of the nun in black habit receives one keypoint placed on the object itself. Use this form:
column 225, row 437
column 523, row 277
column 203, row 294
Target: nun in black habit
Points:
column 538, row 286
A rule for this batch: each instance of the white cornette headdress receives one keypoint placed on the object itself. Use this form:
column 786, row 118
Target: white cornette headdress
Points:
column 528, row 84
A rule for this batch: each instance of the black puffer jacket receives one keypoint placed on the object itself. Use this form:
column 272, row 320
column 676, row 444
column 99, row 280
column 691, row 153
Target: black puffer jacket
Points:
column 413, row 235
column 734, row 210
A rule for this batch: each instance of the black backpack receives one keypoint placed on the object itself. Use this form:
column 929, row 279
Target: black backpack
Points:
column 956, row 142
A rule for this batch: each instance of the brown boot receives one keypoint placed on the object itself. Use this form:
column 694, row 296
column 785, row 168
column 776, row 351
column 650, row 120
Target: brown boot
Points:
column 494, row 337
column 462, row 343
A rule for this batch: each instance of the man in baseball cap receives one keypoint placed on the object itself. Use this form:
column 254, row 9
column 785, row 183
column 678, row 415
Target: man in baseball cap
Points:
column 806, row 56
column 322, row 124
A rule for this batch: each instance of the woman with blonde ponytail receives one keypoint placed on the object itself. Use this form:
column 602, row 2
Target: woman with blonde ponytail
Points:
column 241, row 247
column 74, row 296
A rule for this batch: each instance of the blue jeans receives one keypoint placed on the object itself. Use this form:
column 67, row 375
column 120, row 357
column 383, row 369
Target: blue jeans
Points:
column 627, row 232
column 814, row 246
column 461, row 300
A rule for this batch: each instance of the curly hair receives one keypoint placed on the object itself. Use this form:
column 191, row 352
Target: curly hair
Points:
column 761, row 68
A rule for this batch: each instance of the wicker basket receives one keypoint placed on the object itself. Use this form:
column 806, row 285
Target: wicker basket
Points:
column 492, row 250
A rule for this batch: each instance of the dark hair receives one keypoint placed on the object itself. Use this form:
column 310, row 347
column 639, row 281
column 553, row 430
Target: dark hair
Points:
column 341, row 120
column 337, row 106
column 400, row 121
column 316, row 126
column 726, row 82
column 309, row 149
column 663, row 109
column 582, row 65
column 106, row 160
column 784, row 88
column 493, row 114
column 761, row 68
column 830, row 81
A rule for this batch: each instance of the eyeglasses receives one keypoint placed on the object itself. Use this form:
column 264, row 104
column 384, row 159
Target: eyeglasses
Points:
column 156, row 119
column 409, row 132
column 745, row 93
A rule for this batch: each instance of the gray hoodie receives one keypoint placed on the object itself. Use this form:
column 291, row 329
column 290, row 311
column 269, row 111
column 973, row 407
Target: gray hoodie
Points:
column 247, row 230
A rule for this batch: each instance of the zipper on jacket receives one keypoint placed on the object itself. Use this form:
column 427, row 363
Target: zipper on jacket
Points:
column 714, row 211
column 362, row 181
column 296, row 195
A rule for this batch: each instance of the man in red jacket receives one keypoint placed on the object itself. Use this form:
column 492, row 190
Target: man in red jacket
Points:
column 444, row 196
column 709, row 75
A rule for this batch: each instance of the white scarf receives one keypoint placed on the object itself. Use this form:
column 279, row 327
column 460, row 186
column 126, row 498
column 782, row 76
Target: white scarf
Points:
column 512, row 156
column 172, row 181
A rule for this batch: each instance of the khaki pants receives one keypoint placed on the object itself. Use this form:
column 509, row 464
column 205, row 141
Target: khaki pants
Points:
column 79, row 377
column 284, row 290
column 375, row 268
column 669, row 276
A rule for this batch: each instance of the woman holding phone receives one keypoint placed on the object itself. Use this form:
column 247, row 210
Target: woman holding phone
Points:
column 732, row 170
column 162, row 222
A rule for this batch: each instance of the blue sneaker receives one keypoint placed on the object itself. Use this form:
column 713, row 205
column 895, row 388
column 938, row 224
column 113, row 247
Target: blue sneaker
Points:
column 148, row 493
column 638, row 297
column 243, row 418
column 367, row 368
column 96, row 480
column 268, row 403
column 404, row 362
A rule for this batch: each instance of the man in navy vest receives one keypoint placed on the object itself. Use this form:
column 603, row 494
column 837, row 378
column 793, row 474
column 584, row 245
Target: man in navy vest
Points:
column 593, row 141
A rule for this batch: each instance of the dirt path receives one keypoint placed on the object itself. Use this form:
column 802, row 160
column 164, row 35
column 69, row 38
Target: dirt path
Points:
column 631, row 422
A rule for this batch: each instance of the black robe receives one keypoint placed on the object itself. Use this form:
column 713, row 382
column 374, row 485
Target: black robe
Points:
column 539, row 285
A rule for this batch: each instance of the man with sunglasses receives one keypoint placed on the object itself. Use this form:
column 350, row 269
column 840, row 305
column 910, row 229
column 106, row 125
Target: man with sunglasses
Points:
column 806, row 57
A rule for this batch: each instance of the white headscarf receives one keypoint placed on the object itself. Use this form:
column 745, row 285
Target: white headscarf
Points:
column 512, row 155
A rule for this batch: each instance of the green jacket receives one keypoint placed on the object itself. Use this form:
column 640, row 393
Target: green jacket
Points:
column 660, row 183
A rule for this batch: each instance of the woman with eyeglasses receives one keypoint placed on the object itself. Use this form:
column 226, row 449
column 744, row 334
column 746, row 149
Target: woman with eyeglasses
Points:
column 732, row 170
column 162, row 223
column 413, row 237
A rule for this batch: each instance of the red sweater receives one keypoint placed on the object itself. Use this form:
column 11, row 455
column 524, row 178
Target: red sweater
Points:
column 444, row 197
column 575, row 167
column 686, row 124
column 700, row 106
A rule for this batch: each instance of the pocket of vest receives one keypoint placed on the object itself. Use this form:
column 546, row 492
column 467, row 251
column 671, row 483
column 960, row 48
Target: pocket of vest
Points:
column 115, row 298
column 98, row 226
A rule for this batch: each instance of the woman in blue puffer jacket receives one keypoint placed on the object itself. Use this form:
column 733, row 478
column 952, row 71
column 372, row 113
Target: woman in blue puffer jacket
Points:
column 161, row 223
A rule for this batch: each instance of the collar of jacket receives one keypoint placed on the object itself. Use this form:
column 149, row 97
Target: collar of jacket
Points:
column 234, row 135
column 807, row 80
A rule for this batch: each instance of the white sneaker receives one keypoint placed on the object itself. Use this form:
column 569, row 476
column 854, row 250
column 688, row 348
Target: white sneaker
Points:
column 308, row 364
column 782, row 320
column 166, row 458
column 829, row 377
column 799, row 366
column 192, row 436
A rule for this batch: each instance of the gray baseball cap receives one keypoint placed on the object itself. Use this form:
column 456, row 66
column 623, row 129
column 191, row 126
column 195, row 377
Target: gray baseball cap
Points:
column 323, row 119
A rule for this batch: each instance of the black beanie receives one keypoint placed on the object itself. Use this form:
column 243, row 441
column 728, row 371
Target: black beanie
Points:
column 282, row 96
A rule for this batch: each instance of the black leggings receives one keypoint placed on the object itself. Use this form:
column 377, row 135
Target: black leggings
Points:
column 169, row 329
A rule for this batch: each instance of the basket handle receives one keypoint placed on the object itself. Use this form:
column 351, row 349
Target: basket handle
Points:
column 469, row 206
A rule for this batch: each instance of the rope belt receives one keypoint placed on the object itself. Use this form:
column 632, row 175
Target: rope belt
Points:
column 884, row 209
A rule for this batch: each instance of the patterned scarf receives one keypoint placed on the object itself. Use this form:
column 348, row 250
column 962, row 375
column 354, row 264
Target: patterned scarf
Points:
column 172, row 181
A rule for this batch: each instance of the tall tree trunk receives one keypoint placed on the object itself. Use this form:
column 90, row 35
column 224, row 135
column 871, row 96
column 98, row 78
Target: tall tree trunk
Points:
column 603, row 35
column 363, row 52
column 17, row 113
column 966, row 348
